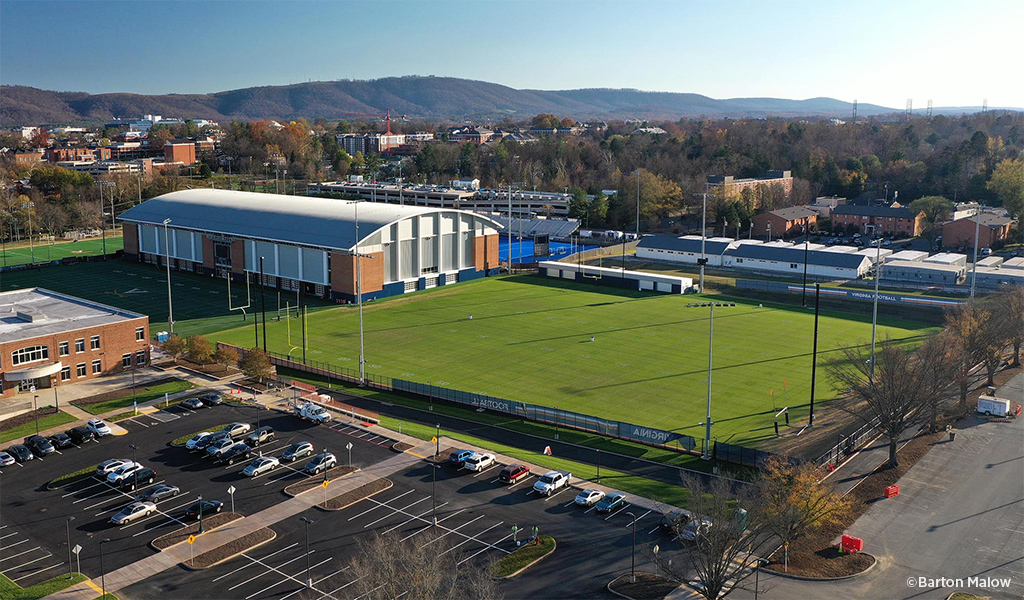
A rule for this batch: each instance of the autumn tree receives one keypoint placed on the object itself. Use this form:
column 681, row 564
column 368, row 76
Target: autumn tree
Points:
column 1007, row 182
column 174, row 346
column 255, row 364
column 225, row 356
column 199, row 349
column 935, row 208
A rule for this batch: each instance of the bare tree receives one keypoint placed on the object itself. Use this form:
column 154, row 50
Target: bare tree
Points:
column 967, row 343
column 730, row 538
column 994, row 338
column 422, row 568
column 892, row 395
column 937, row 368
column 1010, row 308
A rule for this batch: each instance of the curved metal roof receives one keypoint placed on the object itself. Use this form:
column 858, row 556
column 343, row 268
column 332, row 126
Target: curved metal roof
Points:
column 300, row 220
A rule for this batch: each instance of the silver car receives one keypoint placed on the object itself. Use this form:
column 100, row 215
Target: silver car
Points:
column 260, row 466
column 133, row 511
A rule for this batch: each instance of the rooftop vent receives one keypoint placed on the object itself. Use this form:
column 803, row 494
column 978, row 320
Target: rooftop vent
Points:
column 28, row 314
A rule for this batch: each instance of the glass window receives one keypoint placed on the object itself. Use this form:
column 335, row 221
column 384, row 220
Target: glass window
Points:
column 64, row 348
column 126, row 361
column 65, row 374
column 30, row 354
column 140, row 334
column 80, row 369
column 80, row 345
column 140, row 357
column 94, row 342
column 97, row 366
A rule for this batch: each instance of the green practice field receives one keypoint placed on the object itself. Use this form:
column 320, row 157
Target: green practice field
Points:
column 200, row 302
column 47, row 252
column 529, row 340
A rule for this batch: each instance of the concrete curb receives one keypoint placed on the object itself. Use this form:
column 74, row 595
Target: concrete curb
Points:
column 801, row 578
column 619, row 594
column 532, row 563
column 240, row 517
column 236, row 554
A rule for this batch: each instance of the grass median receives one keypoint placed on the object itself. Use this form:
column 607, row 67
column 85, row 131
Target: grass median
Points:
column 72, row 477
column 12, row 591
column 522, row 558
column 26, row 429
column 180, row 441
column 141, row 395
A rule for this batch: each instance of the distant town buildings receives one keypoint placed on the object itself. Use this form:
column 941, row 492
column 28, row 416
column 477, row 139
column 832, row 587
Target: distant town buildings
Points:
column 785, row 221
column 466, row 197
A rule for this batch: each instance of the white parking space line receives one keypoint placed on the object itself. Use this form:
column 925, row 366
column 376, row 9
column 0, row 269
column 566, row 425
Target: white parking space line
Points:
column 48, row 555
column 638, row 518
column 521, row 481
column 494, row 466
column 284, row 580
column 655, row 529
column 325, row 595
column 37, row 572
column 100, row 493
column 8, row 535
column 252, row 563
column 467, row 540
column 284, row 564
column 590, row 509
column 397, row 510
column 484, row 549
column 364, row 434
column 79, row 491
column 452, row 531
column 556, row 493
column 380, row 504
column 443, row 527
column 425, row 527
column 132, row 419
column 624, row 507
column 20, row 553
column 324, row 578
column 569, row 503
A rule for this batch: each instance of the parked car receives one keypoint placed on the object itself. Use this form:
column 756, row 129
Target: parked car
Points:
column 298, row 450
column 109, row 466
column 459, row 457
column 211, row 399
column 320, row 463
column 208, row 507
column 672, row 518
column 60, row 441
column 552, row 482
column 80, row 435
column 479, row 462
column 143, row 476
column 6, row 459
column 312, row 412
column 237, row 430
column 39, row 445
column 199, row 437
column 261, row 435
column 260, row 466
column 588, row 498
column 191, row 403
column 211, row 439
column 611, row 502
column 119, row 474
column 513, row 473
column 20, row 453
column 159, row 493
column 133, row 511
column 694, row 528
column 98, row 428
column 215, row 449
column 237, row 451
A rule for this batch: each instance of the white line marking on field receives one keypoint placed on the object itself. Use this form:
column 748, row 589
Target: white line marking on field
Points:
column 379, row 504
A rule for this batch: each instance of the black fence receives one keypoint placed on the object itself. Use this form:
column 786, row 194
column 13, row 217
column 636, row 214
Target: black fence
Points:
column 740, row 455
column 68, row 260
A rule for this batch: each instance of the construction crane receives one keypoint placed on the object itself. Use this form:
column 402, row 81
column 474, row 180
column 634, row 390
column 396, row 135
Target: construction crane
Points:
column 386, row 117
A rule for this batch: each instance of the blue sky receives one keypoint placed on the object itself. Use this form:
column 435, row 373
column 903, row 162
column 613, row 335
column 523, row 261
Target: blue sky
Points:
column 880, row 52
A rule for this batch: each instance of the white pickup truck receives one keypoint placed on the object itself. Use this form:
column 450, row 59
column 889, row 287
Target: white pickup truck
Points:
column 551, row 482
column 312, row 412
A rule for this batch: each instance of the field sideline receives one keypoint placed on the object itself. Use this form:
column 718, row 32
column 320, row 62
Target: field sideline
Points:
column 529, row 340
column 45, row 252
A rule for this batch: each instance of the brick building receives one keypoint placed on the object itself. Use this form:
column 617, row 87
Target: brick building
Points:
column 49, row 339
column 753, row 190
column 180, row 151
column 785, row 221
column 888, row 220
column 55, row 155
column 310, row 244
column 992, row 229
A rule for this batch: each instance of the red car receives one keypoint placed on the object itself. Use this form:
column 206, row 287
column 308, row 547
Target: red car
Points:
column 514, row 473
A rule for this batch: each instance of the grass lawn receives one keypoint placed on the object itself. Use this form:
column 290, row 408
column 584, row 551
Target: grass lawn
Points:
column 45, row 252
column 22, row 431
column 12, row 591
column 143, row 394
column 529, row 340
column 525, row 555
column 200, row 302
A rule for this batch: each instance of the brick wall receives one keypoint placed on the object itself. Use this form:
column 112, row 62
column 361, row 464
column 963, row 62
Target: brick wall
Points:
column 131, row 240
column 208, row 260
column 485, row 252
column 237, row 256
column 343, row 273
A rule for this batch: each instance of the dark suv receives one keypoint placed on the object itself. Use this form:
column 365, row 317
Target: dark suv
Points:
column 80, row 435
column 39, row 445
column 211, row 399
column 237, row 451
column 261, row 435
column 143, row 476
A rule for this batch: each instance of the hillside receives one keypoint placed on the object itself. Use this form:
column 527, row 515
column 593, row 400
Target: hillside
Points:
column 440, row 98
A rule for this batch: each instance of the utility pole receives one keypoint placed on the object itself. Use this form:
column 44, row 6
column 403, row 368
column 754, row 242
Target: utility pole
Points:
column 814, row 353
column 707, row 419
column 167, row 263
column 974, row 267
column 874, row 308
column 359, row 300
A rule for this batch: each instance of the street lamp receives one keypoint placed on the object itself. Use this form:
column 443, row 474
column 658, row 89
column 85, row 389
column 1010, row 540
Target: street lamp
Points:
column 35, row 409
column 757, row 574
column 309, row 580
column 437, row 440
column 200, row 513
column 67, row 527
column 135, row 459
column 167, row 261
column 103, row 573
column 632, row 556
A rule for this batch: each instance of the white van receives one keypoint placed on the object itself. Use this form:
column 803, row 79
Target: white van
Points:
column 994, row 407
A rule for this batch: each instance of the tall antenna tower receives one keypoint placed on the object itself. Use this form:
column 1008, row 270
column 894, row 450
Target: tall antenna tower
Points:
column 910, row 107
column 929, row 110
column 984, row 106
column 854, row 111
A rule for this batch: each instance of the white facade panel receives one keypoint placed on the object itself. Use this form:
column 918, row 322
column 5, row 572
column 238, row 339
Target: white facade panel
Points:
column 147, row 239
column 288, row 257
column 314, row 266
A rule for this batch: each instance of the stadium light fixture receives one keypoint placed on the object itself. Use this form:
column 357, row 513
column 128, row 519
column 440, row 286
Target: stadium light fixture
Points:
column 167, row 263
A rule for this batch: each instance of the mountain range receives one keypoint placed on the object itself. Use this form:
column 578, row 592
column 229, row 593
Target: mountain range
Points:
column 431, row 98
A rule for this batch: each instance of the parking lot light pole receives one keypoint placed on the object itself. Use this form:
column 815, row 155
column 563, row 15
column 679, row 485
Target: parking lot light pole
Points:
column 433, row 495
column 167, row 262
column 135, row 459
column 437, row 440
column 103, row 573
column 200, row 513
column 67, row 527
column 309, row 580
column 632, row 556
column 348, row 447
column 35, row 409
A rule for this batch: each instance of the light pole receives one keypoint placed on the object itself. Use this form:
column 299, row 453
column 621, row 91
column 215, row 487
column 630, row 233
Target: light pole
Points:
column 32, row 247
column 632, row 555
column 35, row 409
column 707, row 420
column 359, row 299
column 703, row 238
column 874, row 307
column 135, row 460
column 974, row 265
column 167, row 262
column 67, row 527
column 769, row 229
column 437, row 439
column 807, row 240
column 308, row 522
column 103, row 573
column 814, row 353
column 200, row 513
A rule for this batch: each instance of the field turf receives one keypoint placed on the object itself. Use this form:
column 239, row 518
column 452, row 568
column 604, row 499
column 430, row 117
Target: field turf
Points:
column 45, row 252
column 529, row 340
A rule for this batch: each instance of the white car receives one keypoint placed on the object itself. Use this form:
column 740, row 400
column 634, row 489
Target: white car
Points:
column 109, row 466
column 132, row 512
column 98, row 427
column 479, row 461
column 202, row 435
column 260, row 466
column 122, row 473
column 588, row 497
column 6, row 459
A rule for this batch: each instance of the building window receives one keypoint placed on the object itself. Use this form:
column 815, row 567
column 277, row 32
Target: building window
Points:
column 97, row 366
column 63, row 348
column 30, row 354
column 140, row 334
column 140, row 357
column 80, row 369
column 80, row 345
column 94, row 342
column 65, row 374
column 126, row 361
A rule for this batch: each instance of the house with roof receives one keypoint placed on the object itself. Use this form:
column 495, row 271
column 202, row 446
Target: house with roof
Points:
column 686, row 249
column 992, row 230
column 893, row 220
column 785, row 221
